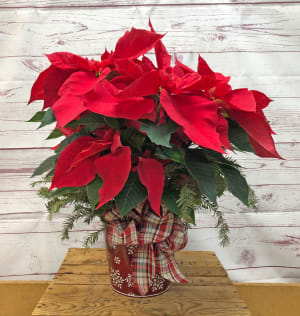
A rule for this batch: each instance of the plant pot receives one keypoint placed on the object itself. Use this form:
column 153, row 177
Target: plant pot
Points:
column 119, row 259
column 140, row 250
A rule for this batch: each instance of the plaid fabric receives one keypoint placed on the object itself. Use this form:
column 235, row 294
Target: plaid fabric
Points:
column 157, row 239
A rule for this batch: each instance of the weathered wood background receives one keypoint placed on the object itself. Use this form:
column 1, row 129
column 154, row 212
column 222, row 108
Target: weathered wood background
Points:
column 256, row 42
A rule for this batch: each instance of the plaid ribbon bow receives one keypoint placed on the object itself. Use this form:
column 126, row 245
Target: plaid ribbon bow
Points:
column 156, row 238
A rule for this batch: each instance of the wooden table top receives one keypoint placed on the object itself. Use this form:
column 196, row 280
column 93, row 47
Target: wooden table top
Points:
column 82, row 287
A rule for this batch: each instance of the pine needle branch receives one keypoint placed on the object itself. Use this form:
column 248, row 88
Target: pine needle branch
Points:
column 78, row 213
column 44, row 180
column 253, row 201
column 92, row 238
column 207, row 204
column 173, row 169
column 186, row 203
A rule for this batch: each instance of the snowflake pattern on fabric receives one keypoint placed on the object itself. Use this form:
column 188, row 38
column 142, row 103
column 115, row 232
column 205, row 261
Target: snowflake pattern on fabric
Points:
column 157, row 283
column 113, row 246
column 131, row 249
column 116, row 278
column 117, row 260
column 129, row 280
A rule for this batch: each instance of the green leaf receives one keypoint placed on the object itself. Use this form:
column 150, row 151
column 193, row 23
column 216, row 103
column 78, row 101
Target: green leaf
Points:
column 176, row 155
column 67, row 141
column 131, row 195
column 221, row 184
column 55, row 134
column 238, row 137
column 218, row 158
column 170, row 197
column 236, row 183
column 46, row 165
column 50, row 173
column 92, row 190
column 91, row 120
column 132, row 137
column 37, row 117
column 159, row 134
column 48, row 118
column 203, row 172
column 113, row 122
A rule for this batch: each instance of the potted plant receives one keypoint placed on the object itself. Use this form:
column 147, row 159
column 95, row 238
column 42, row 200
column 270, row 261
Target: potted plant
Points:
column 144, row 146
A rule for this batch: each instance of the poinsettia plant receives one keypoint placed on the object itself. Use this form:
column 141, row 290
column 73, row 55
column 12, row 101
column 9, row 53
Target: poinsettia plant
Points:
column 137, row 131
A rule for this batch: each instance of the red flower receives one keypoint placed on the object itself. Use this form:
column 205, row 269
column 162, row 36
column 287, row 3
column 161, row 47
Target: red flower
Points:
column 68, row 61
column 79, row 163
column 104, row 100
column 197, row 115
column 245, row 107
column 73, row 84
column 258, row 130
column 37, row 90
column 163, row 59
column 49, row 81
column 121, row 85
column 113, row 169
column 152, row 176
column 81, row 173
column 185, row 103
column 135, row 43
column 47, row 85
column 67, row 108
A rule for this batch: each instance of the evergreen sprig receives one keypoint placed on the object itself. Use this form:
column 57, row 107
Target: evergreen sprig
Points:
column 207, row 204
column 79, row 212
column 59, row 198
column 186, row 203
column 253, row 200
column 92, row 238
column 77, row 198
column 173, row 169
column 189, row 198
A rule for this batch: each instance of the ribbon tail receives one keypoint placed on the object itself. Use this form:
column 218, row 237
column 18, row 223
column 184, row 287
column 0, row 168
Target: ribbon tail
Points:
column 169, row 269
column 144, row 268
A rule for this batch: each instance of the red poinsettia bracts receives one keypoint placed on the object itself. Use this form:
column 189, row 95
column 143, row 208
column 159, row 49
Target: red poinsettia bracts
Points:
column 82, row 172
column 152, row 176
column 163, row 59
column 197, row 115
column 113, row 169
column 245, row 107
column 79, row 163
column 135, row 43
column 108, row 100
column 72, row 84
column 169, row 107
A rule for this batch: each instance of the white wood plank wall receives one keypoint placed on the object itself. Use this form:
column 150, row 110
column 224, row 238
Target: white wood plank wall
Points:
column 256, row 42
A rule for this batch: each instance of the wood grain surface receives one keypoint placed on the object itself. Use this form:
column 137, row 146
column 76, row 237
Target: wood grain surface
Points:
column 118, row 3
column 256, row 42
column 190, row 29
column 82, row 286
